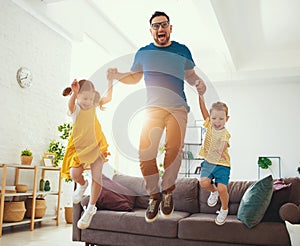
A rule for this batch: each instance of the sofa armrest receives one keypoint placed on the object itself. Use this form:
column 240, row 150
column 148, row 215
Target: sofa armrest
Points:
column 290, row 212
column 77, row 210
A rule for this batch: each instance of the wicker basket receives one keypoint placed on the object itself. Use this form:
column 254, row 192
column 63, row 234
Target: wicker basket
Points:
column 26, row 160
column 21, row 188
column 40, row 208
column 14, row 211
column 69, row 215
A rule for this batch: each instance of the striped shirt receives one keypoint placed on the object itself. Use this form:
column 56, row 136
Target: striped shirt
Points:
column 212, row 142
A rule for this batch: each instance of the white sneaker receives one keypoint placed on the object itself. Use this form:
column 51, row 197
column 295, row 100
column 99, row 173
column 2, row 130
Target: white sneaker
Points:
column 222, row 215
column 213, row 198
column 78, row 193
column 86, row 218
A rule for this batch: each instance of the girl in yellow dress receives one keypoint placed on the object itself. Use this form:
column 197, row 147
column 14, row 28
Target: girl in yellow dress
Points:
column 87, row 146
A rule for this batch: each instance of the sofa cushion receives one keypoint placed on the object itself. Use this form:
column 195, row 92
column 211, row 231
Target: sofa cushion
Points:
column 137, row 185
column 280, row 196
column 99, row 237
column 185, row 194
column 113, row 196
column 133, row 183
column 255, row 202
column 294, row 233
column 202, row 226
column 236, row 190
column 134, row 222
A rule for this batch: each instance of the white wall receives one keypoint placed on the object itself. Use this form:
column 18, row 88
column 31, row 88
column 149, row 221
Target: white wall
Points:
column 29, row 117
column 264, row 120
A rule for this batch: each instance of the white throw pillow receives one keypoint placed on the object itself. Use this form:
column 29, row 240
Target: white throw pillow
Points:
column 294, row 232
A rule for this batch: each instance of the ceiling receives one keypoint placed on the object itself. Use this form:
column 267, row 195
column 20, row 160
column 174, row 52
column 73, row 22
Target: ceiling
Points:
column 229, row 40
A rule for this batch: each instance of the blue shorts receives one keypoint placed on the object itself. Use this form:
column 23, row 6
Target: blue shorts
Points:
column 219, row 173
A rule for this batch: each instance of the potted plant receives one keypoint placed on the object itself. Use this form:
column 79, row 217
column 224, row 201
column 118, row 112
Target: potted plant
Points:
column 264, row 163
column 58, row 147
column 26, row 157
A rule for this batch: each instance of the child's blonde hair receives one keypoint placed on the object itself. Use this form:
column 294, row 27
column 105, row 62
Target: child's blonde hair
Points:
column 220, row 106
column 85, row 85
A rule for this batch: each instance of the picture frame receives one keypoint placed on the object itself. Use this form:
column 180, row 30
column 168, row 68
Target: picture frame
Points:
column 48, row 162
column 51, row 156
column 274, row 169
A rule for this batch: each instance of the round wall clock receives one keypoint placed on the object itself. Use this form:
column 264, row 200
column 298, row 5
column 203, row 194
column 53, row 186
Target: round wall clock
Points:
column 24, row 77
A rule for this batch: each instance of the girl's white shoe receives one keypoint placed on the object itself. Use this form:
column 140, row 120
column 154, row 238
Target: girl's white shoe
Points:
column 86, row 218
column 78, row 193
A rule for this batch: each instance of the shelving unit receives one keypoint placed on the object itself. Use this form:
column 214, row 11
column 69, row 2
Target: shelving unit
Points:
column 191, row 163
column 32, row 193
column 191, row 159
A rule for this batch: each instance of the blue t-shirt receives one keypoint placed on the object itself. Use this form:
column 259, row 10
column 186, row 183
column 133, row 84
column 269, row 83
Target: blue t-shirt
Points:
column 163, row 69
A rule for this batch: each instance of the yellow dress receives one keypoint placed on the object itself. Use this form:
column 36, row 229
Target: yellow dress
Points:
column 86, row 144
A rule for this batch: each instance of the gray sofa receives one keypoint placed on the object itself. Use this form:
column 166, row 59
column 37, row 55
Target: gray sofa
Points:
column 192, row 222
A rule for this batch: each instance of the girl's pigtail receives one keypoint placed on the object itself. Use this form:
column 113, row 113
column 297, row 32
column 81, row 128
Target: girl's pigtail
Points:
column 67, row 91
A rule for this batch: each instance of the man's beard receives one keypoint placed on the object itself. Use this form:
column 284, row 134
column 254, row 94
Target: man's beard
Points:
column 167, row 39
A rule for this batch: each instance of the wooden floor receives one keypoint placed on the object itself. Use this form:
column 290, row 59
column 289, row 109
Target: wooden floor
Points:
column 46, row 234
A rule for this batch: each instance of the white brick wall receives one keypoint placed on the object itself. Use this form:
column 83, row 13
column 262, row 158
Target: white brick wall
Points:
column 29, row 117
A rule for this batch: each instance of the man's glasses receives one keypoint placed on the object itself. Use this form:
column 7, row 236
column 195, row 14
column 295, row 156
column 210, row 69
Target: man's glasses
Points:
column 163, row 24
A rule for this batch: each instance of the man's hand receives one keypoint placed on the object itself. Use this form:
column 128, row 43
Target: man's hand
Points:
column 201, row 87
column 112, row 74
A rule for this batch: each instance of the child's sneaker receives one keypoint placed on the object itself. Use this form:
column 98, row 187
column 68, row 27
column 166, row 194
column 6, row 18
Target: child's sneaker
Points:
column 213, row 198
column 86, row 218
column 78, row 193
column 222, row 215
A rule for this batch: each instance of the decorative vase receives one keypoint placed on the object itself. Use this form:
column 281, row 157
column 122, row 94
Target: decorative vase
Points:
column 40, row 207
column 47, row 186
column 69, row 215
column 42, row 184
column 26, row 160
